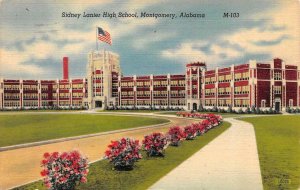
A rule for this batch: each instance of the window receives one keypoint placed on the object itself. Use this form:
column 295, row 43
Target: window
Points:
column 291, row 103
column 277, row 75
column 277, row 89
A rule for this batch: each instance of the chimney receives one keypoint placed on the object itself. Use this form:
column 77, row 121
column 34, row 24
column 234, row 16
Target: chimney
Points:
column 65, row 68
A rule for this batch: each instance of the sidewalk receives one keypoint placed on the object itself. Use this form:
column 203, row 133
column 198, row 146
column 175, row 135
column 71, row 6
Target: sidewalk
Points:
column 228, row 162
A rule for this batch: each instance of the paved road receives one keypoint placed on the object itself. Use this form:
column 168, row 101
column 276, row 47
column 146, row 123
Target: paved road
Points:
column 228, row 162
column 22, row 165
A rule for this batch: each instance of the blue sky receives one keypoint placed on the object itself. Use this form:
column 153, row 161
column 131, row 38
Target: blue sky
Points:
column 34, row 37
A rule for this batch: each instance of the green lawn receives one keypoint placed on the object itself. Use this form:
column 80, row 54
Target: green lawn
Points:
column 131, row 111
column 25, row 128
column 278, row 141
column 146, row 172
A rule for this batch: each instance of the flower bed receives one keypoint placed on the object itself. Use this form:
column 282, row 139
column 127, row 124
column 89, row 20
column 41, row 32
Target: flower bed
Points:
column 176, row 134
column 123, row 153
column 190, row 132
column 62, row 171
column 200, row 115
column 198, row 128
column 154, row 144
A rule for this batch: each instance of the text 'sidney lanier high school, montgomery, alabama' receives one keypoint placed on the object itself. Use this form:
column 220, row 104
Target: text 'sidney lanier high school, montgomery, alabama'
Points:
column 264, row 85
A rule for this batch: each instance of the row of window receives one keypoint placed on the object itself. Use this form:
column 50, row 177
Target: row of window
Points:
column 11, row 95
column 177, row 83
column 209, row 92
column 241, row 76
column 12, row 104
column 77, row 95
column 143, row 102
column 160, row 102
column 143, row 93
column 226, row 90
column 127, row 102
column 30, row 87
column 210, row 102
column 64, row 86
column 224, row 78
column 127, row 93
column 127, row 84
column 160, row 83
column 224, row 102
column 77, row 86
column 43, row 103
column 210, row 80
column 143, row 83
column 241, row 103
column 30, row 96
column 241, row 90
column 11, row 87
column 30, row 103
column 180, row 102
column 64, row 95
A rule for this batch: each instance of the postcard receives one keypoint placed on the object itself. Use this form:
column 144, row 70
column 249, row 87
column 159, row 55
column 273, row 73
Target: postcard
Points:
column 109, row 94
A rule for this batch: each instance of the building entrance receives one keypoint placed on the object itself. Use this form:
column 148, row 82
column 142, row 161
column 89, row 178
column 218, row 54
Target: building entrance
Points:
column 194, row 106
column 277, row 106
column 98, row 104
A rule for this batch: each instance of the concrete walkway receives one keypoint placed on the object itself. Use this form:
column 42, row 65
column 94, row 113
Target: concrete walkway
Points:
column 228, row 162
column 20, row 166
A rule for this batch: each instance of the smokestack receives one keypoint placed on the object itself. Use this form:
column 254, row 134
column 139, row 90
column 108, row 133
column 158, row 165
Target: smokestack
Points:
column 65, row 68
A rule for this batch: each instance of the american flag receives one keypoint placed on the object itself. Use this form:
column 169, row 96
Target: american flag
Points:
column 104, row 36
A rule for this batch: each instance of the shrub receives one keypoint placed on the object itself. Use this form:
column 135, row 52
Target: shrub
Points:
column 240, row 111
column 154, row 144
column 63, row 171
column 176, row 134
column 190, row 133
column 198, row 128
column 123, row 153
column 229, row 110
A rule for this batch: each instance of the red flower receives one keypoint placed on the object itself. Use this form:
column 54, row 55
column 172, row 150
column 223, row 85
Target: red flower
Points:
column 44, row 172
column 65, row 170
column 46, row 155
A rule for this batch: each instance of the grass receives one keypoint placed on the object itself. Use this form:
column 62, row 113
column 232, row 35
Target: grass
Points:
column 131, row 111
column 146, row 172
column 25, row 128
column 279, row 150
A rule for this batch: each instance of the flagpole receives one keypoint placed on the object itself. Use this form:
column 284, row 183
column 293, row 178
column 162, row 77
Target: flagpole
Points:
column 97, row 38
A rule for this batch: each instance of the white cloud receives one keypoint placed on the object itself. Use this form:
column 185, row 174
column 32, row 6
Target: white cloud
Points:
column 187, row 52
column 250, row 41
column 13, row 62
column 192, row 51
column 287, row 15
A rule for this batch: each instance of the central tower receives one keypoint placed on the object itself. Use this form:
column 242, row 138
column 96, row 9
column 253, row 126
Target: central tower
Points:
column 193, row 86
column 102, row 67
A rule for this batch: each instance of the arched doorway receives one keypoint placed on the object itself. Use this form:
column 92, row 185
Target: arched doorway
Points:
column 194, row 106
column 277, row 104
